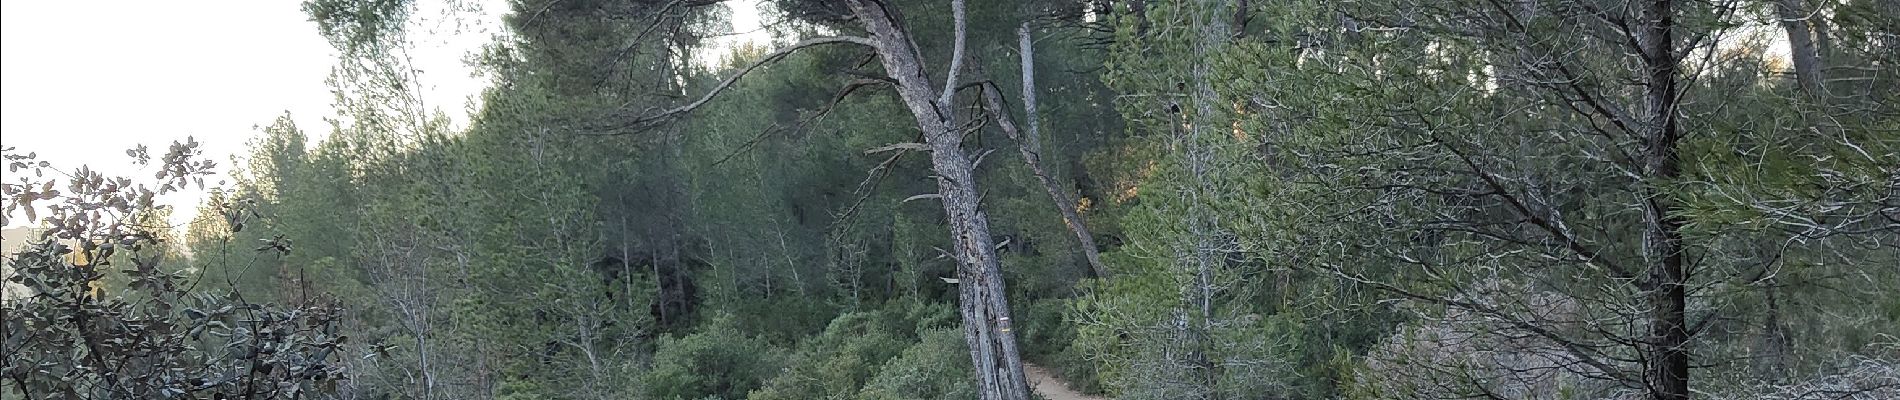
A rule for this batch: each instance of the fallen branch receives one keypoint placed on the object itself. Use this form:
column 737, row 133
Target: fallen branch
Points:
column 1030, row 145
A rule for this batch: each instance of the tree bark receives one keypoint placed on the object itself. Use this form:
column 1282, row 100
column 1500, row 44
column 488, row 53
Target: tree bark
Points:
column 1802, row 48
column 1668, row 359
column 984, row 308
column 1773, row 354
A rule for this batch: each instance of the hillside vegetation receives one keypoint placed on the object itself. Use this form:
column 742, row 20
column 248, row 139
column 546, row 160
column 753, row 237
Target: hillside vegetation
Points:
column 905, row 199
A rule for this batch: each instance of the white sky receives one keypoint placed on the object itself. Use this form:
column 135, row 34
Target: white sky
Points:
column 80, row 82
column 83, row 81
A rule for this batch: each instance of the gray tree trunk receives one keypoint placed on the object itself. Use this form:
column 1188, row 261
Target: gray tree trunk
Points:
column 1802, row 49
column 984, row 308
column 1029, row 143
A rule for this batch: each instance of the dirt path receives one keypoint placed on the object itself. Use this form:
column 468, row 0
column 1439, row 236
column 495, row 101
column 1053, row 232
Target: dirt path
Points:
column 1047, row 385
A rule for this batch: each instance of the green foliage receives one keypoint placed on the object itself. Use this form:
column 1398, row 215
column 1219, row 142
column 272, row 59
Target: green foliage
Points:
column 938, row 367
column 160, row 335
column 1263, row 193
column 353, row 25
column 717, row 362
column 836, row 363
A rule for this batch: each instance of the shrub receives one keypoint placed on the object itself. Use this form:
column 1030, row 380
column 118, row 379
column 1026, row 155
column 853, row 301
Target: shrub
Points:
column 837, row 363
column 718, row 361
column 938, row 367
column 158, row 338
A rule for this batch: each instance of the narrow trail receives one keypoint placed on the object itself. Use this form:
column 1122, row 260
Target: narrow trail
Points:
column 1050, row 387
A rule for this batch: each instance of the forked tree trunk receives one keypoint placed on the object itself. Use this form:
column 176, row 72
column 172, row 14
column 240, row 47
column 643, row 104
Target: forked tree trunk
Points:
column 984, row 308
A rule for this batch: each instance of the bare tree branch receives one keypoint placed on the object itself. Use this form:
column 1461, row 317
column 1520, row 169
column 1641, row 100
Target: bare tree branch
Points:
column 1582, row 352
column 1030, row 145
column 1583, row 251
column 652, row 118
column 956, row 52
column 802, row 122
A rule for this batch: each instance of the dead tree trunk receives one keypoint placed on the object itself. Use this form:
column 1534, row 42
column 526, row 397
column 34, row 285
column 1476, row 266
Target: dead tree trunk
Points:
column 1202, row 223
column 984, row 308
column 1029, row 143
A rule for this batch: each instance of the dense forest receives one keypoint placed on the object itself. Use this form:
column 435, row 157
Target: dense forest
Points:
column 920, row 199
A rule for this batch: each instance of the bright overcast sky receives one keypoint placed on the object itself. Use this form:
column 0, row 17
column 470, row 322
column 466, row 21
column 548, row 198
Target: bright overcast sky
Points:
column 85, row 80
